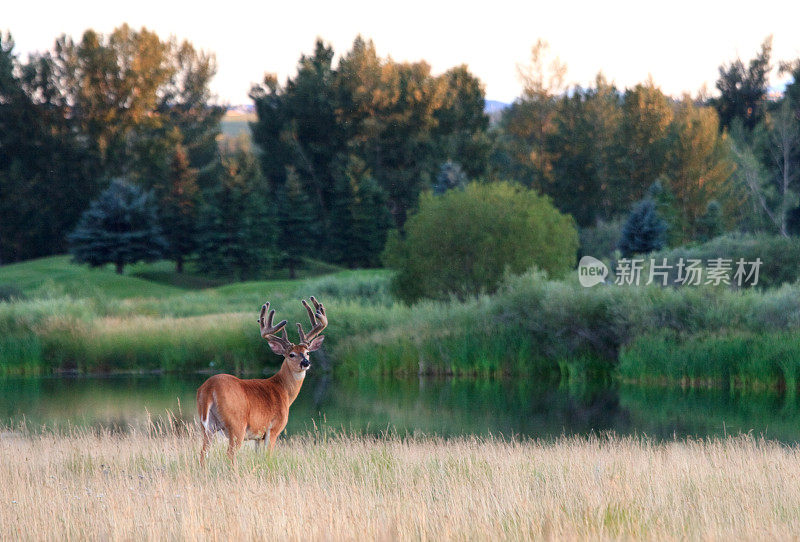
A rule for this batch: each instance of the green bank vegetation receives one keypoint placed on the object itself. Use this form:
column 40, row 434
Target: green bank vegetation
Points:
column 65, row 317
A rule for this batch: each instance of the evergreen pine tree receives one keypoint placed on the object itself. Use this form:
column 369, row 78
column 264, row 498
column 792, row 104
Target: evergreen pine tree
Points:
column 236, row 221
column 710, row 224
column 644, row 231
column 743, row 89
column 45, row 178
column 371, row 223
column 666, row 208
column 360, row 218
column 120, row 227
column 295, row 223
column 793, row 221
column 179, row 200
column 450, row 176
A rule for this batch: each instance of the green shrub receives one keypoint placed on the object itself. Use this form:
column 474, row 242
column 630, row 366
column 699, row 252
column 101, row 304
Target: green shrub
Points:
column 600, row 241
column 780, row 256
column 565, row 321
column 533, row 325
column 461, row 243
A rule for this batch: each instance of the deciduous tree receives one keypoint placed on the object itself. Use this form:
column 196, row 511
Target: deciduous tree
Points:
column 646, row 118
column 698, row 165
column 179, row 202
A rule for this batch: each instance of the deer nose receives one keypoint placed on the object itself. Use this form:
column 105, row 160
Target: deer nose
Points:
column 305, row 363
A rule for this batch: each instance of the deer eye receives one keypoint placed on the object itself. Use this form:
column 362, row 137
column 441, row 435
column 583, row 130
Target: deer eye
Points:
column 291, row 355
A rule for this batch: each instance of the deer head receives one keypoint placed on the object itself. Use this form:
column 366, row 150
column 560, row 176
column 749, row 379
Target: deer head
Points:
column 295, row 355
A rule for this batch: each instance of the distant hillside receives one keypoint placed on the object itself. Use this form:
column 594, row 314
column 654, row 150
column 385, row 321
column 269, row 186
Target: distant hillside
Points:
column 235, row 122
column 494, row 109
column 493, row 106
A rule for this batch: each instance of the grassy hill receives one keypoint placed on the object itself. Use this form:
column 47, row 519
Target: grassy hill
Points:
column 66, row 316
column 57, row 276
column 234, row 124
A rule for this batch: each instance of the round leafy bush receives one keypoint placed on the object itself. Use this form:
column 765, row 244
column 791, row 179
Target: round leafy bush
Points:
column 462, row 242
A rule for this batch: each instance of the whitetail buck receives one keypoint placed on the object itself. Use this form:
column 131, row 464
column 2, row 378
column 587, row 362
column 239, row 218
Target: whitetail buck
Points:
column 258, row 409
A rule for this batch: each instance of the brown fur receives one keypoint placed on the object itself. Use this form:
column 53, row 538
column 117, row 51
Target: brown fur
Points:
column 258, row 409
column 255, row 409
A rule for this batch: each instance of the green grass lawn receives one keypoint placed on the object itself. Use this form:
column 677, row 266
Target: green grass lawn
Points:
column 57, row 276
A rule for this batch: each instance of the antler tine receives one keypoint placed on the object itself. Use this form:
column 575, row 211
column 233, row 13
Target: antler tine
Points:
column 319, row 320
column 310, row 312
column 267, row 328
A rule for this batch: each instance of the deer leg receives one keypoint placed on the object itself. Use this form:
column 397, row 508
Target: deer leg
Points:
column 273, row 437
column 235, row 439
column 204, row 451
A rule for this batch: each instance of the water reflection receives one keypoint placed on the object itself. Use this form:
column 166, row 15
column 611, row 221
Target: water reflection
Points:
column 445, row 407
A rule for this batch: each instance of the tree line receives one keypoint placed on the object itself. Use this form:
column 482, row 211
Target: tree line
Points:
column 75, row 117
column 707, row 164
column 344, row 149
column 352, row 145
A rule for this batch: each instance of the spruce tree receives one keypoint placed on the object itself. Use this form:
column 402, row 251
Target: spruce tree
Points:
column 295, row 223
column 236, row 223
column 120, row 227
column 644, row 231
column 450, row 176
column 179, row 200
column 360, row 218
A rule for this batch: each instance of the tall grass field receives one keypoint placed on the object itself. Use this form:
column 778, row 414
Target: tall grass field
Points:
column 147, row 485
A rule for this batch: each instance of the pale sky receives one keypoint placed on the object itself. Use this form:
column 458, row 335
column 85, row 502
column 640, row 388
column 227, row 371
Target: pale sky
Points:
column 680, row 43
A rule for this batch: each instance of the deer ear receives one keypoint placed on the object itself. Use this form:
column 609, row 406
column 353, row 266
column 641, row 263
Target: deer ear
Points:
column 277, row 345
column 316, row 343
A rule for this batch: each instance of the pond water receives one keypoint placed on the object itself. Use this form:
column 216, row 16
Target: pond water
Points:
column 431, row 406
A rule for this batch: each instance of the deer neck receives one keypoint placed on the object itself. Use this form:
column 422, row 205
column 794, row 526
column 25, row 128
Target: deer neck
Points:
column 290, row 381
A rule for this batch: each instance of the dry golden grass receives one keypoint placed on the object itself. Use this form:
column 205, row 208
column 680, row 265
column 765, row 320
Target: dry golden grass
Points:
column 147, row 485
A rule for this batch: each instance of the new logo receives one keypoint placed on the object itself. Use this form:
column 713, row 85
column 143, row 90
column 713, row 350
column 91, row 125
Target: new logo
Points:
column 591, row 271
